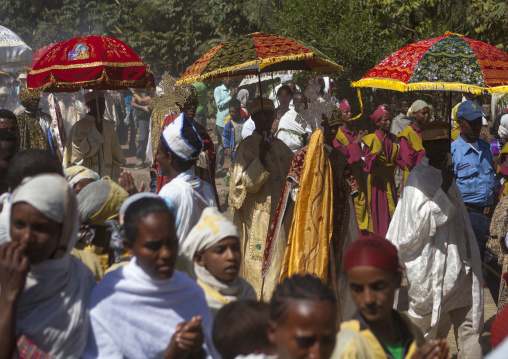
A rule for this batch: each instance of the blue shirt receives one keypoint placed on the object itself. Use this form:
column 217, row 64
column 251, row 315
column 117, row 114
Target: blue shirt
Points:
column 128, row 98
column 473, row 171
column 222, row 96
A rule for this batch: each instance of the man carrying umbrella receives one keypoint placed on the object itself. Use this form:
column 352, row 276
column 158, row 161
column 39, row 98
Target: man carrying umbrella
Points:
column 259, row 170
column 93, row 141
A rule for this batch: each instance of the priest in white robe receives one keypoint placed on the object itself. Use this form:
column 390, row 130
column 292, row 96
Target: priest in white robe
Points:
column 437, row 245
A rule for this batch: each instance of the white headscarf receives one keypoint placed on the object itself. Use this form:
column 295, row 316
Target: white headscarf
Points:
column 503, row 127
column 52, row 311
column 75, row 174
column 211, row 228
column 243, row 97
column 415, row 107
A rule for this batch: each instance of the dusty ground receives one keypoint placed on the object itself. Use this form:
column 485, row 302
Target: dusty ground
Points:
column 142, row 174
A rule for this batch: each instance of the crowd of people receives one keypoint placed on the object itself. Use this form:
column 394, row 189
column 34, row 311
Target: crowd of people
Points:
column 325, row 223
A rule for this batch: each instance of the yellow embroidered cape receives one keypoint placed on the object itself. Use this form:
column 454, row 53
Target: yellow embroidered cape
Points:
column 415, row 141
column 254, row 192
column 307, row 250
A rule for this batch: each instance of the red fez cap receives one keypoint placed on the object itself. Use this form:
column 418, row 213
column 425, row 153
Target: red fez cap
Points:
column 372, row 251
column 344, row 105
column 380, row 111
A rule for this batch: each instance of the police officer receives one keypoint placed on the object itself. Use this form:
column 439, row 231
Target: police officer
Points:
column 474, row 173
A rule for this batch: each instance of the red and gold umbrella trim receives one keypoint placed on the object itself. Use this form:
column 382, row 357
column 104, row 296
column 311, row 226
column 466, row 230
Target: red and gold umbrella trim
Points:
column 396, row 72
column 87, row 65
column 104, row 76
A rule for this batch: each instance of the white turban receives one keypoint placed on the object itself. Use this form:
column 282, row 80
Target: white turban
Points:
column 503, row 127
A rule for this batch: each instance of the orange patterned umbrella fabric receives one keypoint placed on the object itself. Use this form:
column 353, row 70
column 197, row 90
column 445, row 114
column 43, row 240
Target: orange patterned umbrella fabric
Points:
column 91, row 62
column 255, row 53
column 450, row 62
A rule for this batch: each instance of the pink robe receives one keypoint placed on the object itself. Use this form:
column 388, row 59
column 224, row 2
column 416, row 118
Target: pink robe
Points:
column 407, row 155
column 380, row 167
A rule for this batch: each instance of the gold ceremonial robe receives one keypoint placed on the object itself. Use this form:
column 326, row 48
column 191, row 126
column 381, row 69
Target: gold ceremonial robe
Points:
column 254, row 193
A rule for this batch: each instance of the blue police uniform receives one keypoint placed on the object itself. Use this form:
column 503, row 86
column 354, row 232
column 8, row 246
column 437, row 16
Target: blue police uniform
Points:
column 474, row 172
column 474, row 175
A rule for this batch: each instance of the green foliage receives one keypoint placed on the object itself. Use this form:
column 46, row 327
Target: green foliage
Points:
column 342, row 29
column 172, row 34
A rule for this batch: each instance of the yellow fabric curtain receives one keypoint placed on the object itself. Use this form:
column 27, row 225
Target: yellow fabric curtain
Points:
column 307, row 250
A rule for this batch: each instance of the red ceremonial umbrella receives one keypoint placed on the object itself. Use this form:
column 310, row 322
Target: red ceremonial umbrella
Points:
column 90, row 62
column 40, row 52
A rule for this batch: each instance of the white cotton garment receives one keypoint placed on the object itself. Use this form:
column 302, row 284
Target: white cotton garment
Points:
column 52, row 310
column 134, row 316
column 291, row 128
column 437, row 245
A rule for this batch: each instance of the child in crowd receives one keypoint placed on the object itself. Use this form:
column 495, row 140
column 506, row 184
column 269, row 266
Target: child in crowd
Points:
column 147, row 309
column 380, row 153
column 233, row 129
column 229, row 333
column 214, row 247
column 233, row 132
column 377, row 331
column 303, row 318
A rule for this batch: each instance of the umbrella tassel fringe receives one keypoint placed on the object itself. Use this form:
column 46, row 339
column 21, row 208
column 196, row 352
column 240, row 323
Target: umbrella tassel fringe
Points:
column 432, row 86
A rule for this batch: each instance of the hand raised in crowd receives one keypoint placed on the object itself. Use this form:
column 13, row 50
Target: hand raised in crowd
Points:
column 361, row 135
column 126, row 181
column 13, row 270
column 448, row 176
column 188, row 339
column 234, row 91
column 264, row 147
column 433, row 349
column 485, row 136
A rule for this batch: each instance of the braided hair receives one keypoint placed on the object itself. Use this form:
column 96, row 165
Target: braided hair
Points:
column 298, row 287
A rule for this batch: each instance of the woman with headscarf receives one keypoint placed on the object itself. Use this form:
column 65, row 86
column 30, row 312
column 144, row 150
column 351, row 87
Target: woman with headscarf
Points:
column 243, row 97
column 98, row 205
column 44, row 290
column 501, row 164
column 411, row 147
column 79, row 177
column 213, row 245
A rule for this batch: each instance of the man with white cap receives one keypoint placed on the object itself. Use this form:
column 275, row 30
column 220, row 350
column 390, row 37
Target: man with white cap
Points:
column 93, row 142
column 257, row 180
column 186, row 195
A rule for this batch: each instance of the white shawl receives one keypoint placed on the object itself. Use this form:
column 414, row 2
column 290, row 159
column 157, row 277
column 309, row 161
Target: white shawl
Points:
column 291, row 126
column 437, row 245
column 134, row 316
column 52, row 311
